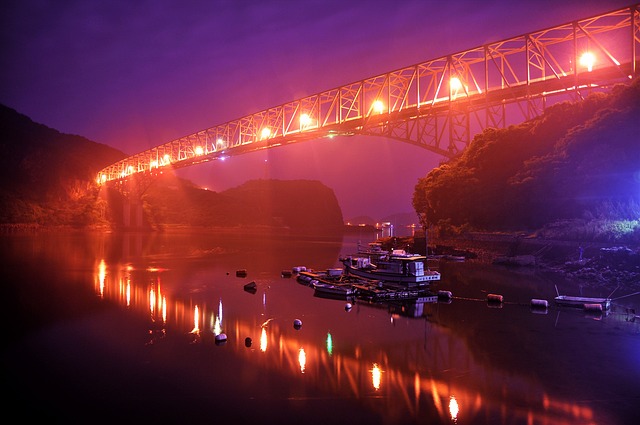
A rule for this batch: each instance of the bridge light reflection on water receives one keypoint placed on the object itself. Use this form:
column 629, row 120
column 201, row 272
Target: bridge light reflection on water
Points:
column 337, row 369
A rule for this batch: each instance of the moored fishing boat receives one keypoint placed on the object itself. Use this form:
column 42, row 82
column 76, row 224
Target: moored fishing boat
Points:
column 397, row 266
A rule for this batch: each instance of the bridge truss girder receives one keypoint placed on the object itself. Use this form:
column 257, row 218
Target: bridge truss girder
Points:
column 496, row 84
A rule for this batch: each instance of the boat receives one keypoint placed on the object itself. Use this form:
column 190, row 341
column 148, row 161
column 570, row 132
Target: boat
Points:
column 332, row 290
column 396, row 266
column 587, row 303
column 330, row 283
column 583, row 302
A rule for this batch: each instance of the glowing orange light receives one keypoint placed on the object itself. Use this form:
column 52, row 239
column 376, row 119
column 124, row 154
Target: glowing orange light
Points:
column 587, row 60
column 378, row 107
column 302, row 359
column 305, row 120
column 164, row 309
column 376, row 376
column 199, row 150
column 102, row 273
column 453, row 408
column 265, row 133
column 263, row 340
column 455, row 84
column 152, row 301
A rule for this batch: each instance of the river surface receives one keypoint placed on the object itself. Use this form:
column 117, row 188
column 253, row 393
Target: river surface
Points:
column 127, row 328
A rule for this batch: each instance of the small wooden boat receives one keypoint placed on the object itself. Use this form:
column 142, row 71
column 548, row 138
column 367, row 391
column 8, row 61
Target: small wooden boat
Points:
column 587, row 303
column 583, row 302
column 333, row 290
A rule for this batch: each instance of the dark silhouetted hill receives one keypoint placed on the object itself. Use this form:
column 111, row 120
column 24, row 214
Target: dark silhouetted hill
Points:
column 47, row 177
column 299, row 205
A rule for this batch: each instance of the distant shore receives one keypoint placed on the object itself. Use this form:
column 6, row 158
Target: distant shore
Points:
column 596, row 264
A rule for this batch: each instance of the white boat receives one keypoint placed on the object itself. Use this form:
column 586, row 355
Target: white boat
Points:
column 398, row 266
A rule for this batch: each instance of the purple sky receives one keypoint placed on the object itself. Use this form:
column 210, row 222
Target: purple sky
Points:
column 136, row 74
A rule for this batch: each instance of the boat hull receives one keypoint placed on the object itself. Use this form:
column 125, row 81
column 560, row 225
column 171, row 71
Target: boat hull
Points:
column 581, row 302
column 393, row 277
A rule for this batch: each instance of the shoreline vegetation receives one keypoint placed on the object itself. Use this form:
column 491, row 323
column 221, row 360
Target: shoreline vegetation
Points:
column 592, row 264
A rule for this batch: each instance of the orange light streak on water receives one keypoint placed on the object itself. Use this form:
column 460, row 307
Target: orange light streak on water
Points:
column 302, row 359
column 376, row 376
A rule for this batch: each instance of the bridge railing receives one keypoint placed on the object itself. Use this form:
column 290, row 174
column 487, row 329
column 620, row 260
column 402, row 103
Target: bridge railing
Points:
column 451, row 96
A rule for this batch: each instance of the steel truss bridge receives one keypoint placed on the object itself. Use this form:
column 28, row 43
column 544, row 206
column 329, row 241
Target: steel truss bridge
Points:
column 437, row 105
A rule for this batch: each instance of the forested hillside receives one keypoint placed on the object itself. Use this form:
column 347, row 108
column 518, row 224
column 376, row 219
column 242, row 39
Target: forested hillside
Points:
column 48, row 179
column 294, row 204
column 578, row 164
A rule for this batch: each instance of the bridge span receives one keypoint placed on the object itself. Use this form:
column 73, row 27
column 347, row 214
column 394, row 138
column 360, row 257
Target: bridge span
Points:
column 437, row 105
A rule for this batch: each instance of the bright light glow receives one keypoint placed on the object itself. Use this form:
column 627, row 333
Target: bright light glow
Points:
column 102, row 274
column 199, row 150
column 104, row 178
column 130, row 169
column 376, row 376
column 221, row 144
column 453, row 408
column 217, row 326
column 265, row 133
column 164, row 309
column 153, row 164
column 455, row 84
column 378, row 107
column 196, row 321
column 127, row 292
column 152, row 301
column 263, row 340
column 587, row 60
column 302, row 359
column 166, row 158
column 329, row 344
column 305, row 120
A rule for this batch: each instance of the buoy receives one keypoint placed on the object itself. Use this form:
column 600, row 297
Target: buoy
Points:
column 348, row 306
column 445, row 294
column 285, row 273
column 297, row 324
column 241, row 273
column 247, row 342
column 536, row 303
column 494, row 298
column 221, row 338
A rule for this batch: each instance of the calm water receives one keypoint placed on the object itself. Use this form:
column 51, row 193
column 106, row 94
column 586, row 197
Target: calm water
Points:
column 113, row 328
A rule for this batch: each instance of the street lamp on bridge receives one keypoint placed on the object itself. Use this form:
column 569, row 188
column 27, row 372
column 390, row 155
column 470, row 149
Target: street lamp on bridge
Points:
column 587, row 60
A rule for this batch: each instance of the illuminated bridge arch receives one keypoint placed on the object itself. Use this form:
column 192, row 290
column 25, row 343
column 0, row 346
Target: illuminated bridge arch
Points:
column 436, row 105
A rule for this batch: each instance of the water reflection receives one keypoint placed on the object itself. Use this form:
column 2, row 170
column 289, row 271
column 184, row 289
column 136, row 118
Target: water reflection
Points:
column 406, row 365
column 406, row 362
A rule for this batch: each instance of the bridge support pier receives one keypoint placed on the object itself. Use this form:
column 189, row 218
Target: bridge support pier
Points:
column 132, row 214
